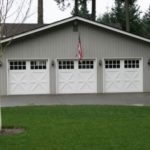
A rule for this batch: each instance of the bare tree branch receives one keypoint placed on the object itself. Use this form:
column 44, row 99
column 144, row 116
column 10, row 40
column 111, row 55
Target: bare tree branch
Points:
column 8, row 9
column 14, row 9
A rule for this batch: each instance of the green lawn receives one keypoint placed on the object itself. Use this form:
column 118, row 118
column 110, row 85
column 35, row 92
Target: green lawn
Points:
column 77, row 128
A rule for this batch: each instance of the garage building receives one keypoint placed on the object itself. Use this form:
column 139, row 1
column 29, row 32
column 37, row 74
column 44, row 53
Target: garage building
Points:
column 44, row 60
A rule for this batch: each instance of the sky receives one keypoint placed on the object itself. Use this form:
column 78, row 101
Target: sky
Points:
column 52, row 13
column 102, row 6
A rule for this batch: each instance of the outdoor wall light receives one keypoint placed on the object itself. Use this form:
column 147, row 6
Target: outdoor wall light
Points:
column 100, row 62
column 148, row 62
column 53, row 63
column 0, row 63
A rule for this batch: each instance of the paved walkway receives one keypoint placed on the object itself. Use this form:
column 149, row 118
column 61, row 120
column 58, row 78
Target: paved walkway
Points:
column 138, row 99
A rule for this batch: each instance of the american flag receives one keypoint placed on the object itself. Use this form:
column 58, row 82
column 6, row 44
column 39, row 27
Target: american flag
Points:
column 80, row 50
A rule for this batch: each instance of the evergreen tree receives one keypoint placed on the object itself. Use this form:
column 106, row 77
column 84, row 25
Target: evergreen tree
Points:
column 146, row 23
column 82, row 9
column 117, row 16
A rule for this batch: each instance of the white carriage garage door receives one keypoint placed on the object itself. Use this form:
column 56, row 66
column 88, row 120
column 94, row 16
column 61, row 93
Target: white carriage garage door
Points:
column 123, row 75
column 77, row 76
column 28, row 77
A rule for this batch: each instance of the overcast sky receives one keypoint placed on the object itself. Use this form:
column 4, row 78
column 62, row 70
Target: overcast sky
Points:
column 53, row 13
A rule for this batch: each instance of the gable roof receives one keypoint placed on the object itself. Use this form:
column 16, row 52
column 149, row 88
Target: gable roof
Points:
column 58, row 23
column 11, row 29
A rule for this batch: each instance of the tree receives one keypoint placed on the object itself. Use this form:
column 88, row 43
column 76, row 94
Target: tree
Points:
column 76, row 7
column 40, row 11
column 146, row 24
column 80, row 8
column 15, row 11
column 93, row 16
column 127, row 15
column 63, row 4
column 107, row 19
column 117, row 17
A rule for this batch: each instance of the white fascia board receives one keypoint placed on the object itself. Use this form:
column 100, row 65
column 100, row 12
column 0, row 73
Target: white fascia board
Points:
column 72, row 19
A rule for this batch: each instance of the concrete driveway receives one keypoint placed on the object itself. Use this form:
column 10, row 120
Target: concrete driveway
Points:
column 137, row 99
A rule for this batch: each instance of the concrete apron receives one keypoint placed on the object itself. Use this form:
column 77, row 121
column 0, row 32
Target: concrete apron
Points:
column 135, row 99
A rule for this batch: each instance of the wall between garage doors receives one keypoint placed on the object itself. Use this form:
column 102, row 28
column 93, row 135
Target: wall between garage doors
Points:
column 61, row 42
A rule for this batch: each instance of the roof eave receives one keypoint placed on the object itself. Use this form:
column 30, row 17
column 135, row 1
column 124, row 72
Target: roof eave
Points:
column 114, row 29
column 38, row 30
column 72, row 19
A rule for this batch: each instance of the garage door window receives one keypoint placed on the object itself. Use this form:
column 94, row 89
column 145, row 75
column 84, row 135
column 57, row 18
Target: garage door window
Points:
column 86, row 64
column 17, row 65
column 37, row 65
column 112, row 64
column 66, row 64
column 131, row 64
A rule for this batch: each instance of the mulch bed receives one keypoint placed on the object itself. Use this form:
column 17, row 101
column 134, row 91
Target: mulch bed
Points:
column 11, row 131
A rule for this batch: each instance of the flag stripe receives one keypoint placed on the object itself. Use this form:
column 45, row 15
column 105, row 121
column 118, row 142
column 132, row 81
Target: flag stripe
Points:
column 80, row 50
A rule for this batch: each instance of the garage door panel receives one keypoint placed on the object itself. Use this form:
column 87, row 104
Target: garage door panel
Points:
column 131, row 87
column 39, row 82
column 38, row 88
column 17, row 82
column 87, row 81
column 67, row 81
column 66, row 88
column 86, row 88
column 132, row 80
column 112, row 80
column 17, row 89
column 112, row 86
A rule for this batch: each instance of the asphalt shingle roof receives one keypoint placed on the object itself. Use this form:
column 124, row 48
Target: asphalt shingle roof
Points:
column 15, row 29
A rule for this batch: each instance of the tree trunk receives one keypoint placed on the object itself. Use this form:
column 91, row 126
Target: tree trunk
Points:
column 127, row 15
column 76, row 7
column 85, row 4
column 40, row 11
column 93, row 10
column 0, row 116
